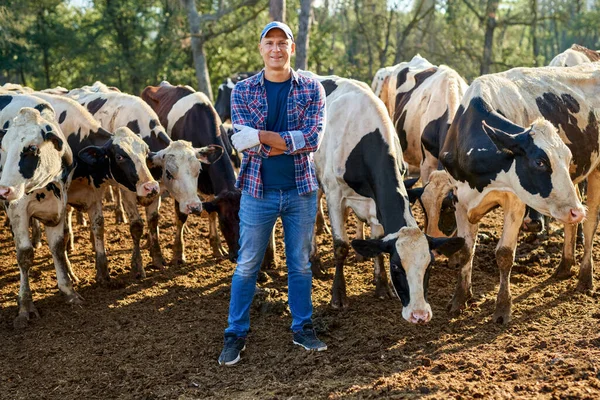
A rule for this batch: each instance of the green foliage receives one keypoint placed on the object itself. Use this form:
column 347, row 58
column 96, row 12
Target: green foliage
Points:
column 134, row 43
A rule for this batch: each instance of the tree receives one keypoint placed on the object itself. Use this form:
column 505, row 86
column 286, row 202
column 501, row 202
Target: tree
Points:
column 302, row 39
column 277, row 10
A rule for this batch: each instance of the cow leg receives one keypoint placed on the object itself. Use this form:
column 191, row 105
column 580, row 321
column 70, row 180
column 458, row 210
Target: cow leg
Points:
column 340, row 250
column 315, row 260
column 383, row 290
column 568, row 256
column 136, row 228
column 36, row 233
column 514, row 211
column 81, row 219
column 158, row 261
column 179, row 245
column 213, row 235
column 20, row 229
column 120, row 212
column 464, row 259
column 69, row 236
column 96, row 217
column 62, row 265
column 586, row 270
column 360, row 235
column 321, row 225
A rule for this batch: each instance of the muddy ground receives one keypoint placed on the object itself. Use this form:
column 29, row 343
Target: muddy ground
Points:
column 159, row 338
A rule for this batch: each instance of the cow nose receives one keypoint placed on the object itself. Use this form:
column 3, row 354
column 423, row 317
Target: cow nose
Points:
column 194, row 208
column 419, row 317
column 150, row 188
column 576, row 215
column 5, row 191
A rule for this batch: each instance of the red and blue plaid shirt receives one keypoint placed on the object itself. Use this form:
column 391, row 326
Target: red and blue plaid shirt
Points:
column 306, row 123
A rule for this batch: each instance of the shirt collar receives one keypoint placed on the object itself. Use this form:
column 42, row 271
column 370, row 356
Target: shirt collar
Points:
column 260, row 78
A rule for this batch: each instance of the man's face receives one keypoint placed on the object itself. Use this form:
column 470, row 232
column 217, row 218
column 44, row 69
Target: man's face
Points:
column 276, row 50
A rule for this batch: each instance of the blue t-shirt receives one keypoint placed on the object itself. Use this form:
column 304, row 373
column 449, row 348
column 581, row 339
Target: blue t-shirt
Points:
column 278, row 172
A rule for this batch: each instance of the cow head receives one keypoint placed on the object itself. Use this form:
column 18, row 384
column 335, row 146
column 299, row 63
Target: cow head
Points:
column 181, row 164
column 223, row 102
column 227, row 206
column 411, row 259
column 35, row 153
column 540, row 171
column 125, row 157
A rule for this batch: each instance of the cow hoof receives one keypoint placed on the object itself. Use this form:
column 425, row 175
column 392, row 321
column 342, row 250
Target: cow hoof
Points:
column 455, row 307
column 179, row 262
column 21, row 322
column 317, row 269
column 585, row 286
column 339, row 303
column 563, row 272
column 74, row 298
column 502, row 317
column 26, row 310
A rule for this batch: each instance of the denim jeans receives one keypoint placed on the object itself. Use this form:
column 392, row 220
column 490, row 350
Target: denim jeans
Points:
column 257, row 219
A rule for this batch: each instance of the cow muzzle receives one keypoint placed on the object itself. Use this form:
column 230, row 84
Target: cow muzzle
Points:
column 572, row 215
column 192, row 208
column 417, row 315
column 148, row 189
column 7, row 193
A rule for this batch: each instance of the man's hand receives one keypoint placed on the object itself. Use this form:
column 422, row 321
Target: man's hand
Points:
column 246, row 138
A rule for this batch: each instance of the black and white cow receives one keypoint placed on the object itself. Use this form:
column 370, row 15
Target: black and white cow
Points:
column 574, row 56
column 177, row 163
column 189, row 115
column 493, row 160
column 37, row 166
column 359, row 165
column 102, row 159
column 422, row 100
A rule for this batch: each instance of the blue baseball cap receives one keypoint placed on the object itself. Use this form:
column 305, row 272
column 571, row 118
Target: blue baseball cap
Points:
column 279, row 25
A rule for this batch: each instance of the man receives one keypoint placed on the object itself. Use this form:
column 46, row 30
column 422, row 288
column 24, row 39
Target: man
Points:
column 280, row 118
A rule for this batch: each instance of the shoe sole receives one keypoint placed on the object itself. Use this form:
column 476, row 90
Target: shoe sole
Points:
column 235, row 361
column 310, row 349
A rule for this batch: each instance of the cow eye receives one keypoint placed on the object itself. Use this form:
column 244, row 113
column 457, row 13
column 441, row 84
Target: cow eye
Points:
column 32, row 149
column 541, row 164
column 119, row 157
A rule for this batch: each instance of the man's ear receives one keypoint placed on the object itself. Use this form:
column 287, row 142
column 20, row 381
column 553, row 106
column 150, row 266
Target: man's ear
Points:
column 293, row 48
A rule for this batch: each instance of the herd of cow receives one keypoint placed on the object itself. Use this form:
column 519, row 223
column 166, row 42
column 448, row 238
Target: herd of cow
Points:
column 516, row 139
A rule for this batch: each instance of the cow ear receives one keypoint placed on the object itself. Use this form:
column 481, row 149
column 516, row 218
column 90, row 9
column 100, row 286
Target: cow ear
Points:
column 373, row 247
column 209, row 154
column 503, row 141
column 409, row 183
column 445, row 246
column 414, row 194
column 210, row 207
column 155, row 159
column 50, row 136
column 91, row 155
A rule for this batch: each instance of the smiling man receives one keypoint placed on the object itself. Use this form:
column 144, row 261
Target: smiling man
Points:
column 280, row 118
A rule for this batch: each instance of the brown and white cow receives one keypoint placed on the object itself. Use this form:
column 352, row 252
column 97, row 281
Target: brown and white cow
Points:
column 359, row 165
column 37, row 166
column 494, row 159
column 177, row 164
column 189, row 115
column 574, row 56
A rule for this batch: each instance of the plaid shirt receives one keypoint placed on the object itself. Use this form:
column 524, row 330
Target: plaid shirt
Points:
column 306, row 123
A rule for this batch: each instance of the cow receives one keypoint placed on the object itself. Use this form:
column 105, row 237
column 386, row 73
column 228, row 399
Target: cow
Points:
column 176, row 163
column 37, row 167
column 189, row 115
column 574, row 56
column 503, row 149
column 359, row 165
column 223, row 101
column 100, row 157
column 422, row 99
column 380, row 79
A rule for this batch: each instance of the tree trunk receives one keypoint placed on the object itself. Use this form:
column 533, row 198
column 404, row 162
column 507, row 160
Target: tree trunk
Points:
column 198, row 40
column 277, row 10
column 488, row 46
column 534, row 42
column 302, row 39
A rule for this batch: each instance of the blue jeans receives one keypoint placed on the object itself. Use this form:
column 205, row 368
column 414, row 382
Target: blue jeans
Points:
column 257, row 219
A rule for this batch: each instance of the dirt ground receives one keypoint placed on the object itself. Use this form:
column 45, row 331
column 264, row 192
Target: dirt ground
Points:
column 159, row 338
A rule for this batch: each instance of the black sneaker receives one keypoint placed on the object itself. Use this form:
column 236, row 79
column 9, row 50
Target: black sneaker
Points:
column 234, row 345
column 307, row 338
